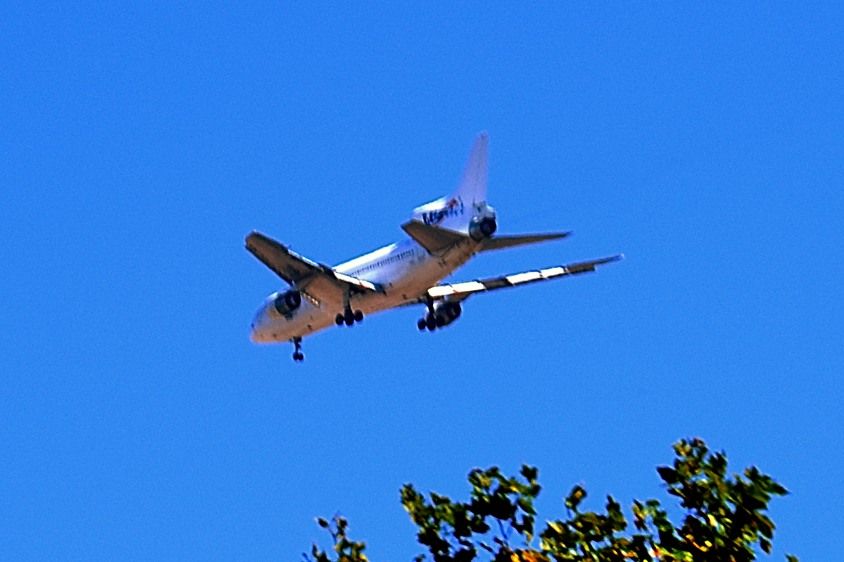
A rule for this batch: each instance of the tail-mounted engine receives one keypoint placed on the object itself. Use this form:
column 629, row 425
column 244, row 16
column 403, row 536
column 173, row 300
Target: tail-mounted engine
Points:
column 483, row 225
column 443, row 314
column 482, row 228
column 286, row 303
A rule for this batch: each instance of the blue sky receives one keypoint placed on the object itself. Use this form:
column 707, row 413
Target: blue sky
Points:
column 141, row 144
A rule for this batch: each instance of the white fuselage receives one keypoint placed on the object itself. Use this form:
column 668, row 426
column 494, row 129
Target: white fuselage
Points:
column 405, row 270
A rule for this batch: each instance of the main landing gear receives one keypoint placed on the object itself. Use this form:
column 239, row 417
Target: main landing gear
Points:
column 348, row 317
column 430, row 321
column 298, row 356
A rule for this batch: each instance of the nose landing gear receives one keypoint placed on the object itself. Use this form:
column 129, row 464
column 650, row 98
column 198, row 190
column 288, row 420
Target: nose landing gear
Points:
column 298, row 356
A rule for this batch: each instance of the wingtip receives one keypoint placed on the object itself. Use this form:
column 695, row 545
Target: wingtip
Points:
column 610, row 259
column 256, row 237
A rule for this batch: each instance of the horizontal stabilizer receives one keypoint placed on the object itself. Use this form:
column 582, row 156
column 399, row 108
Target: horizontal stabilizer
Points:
column 501, row 242
column 432, row 238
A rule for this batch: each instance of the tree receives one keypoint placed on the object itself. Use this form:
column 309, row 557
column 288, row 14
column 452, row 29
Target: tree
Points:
column 723, row 519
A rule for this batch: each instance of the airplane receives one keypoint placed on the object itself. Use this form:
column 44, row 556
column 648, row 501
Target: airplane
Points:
column 442, row 236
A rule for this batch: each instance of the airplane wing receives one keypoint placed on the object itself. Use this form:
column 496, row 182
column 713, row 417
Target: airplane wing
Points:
column 461, row 291
column 318, row 281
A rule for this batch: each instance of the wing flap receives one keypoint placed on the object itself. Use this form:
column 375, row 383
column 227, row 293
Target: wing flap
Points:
column 354, row 281
column 461, row 291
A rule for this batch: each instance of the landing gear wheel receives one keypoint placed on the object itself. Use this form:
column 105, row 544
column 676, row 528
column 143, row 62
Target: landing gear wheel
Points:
column 298, row 356
column 358, row 316
column 431, row 322
column 349, row 317
column 339, row 319
column 421, row 324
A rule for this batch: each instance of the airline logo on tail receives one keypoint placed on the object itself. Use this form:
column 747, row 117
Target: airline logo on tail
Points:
column 454, row 208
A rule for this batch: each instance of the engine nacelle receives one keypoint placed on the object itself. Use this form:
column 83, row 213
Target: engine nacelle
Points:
column 286, row 303
column 482, row 227
column 446, row 312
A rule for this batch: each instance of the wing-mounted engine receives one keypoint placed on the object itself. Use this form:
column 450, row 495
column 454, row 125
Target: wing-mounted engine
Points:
column 287, row 303
column 440, row 314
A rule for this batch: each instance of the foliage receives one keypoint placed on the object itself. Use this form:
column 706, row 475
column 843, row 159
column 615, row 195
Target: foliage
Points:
column 345, row 550
column 723, row 519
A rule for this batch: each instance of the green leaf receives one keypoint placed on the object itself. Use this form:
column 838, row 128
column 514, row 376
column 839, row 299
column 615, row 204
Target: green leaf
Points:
column 668, row 474
column 576, row 496
column 529, row 472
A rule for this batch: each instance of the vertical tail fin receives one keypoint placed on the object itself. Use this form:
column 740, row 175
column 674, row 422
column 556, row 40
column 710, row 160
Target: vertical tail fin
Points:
column 456, row 211
column 472, row 187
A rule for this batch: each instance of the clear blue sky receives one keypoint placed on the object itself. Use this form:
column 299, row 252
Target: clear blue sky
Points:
column 140, row 144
